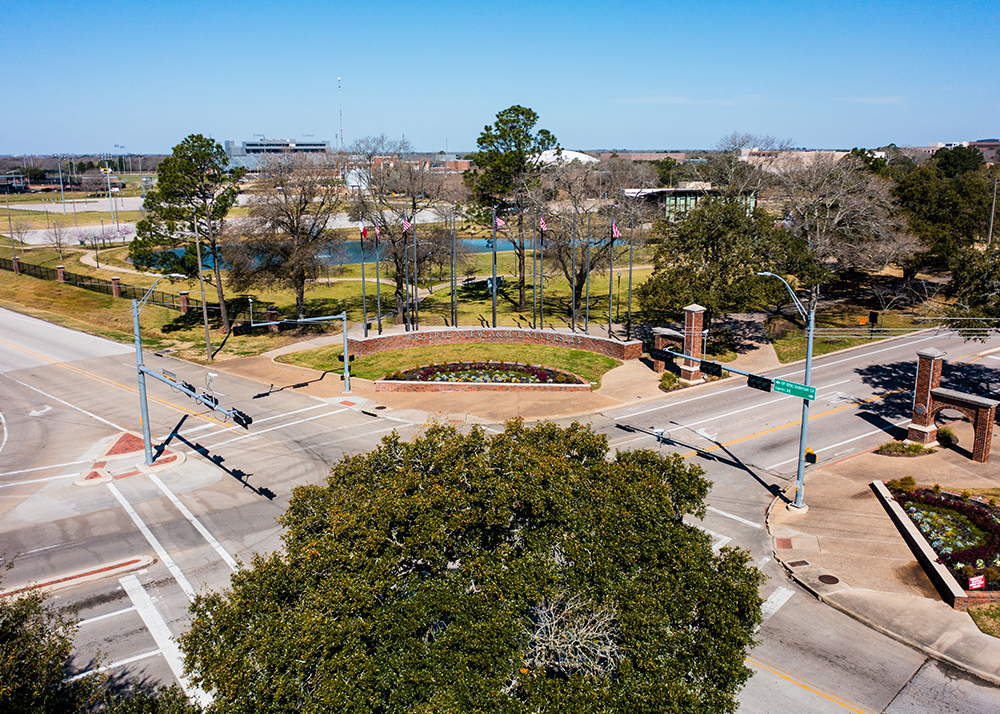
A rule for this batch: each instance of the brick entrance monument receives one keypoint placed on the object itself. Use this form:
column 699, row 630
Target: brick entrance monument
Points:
column 929, row 398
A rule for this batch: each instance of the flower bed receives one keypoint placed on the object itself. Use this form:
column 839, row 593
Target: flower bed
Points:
column 486, row 372
column 965, row 534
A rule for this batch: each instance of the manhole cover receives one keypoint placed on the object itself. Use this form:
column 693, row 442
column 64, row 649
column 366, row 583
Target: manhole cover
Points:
column 798, row 563
column 829, row 579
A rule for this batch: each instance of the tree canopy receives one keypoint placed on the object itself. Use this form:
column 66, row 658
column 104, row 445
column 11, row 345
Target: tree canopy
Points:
column 507, row 168
column 521, row 572
column 712, row 257
column 195, row 188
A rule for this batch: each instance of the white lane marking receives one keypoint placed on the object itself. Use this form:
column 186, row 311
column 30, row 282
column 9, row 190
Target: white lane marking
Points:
column 161, row 634
column 194, row 521
column 735, row 518
column 675, row 404
column 860, row 353
column 718, row 540
column 256, row 421
column 616, row 444
column 40, row 480
column 377, row 431
column 774, row 602
column 273, row 428
column 116, row 613
column 160, row 551
column 3, row 423
column 732, row 413
column 39, row 550
column 44, row 468
column 39, row 412
column 63, row 401
column 119, row 663
column 841, row 443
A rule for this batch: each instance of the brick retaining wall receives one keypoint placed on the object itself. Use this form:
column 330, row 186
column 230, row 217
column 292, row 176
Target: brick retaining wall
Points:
column 392, row 385
column 623, row 351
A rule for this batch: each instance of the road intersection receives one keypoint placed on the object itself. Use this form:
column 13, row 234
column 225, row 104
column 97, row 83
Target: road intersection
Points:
column 66, row 397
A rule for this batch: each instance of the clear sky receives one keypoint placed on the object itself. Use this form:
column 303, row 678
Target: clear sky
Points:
column 82, row 76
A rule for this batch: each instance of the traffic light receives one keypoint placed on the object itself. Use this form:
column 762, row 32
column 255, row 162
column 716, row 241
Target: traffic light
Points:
column 340, row 357
column 189, row 387
column 755, row 381
column 712, row 369
column 208, row 398
column 244, row 420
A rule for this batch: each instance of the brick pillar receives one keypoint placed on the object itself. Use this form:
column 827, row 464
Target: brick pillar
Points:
column 984, row 434
column 693, row 318
column 61, row 273
column 922, row 429
column 272, row 316
column 185, row 302
column 116, row 287
column 17, row 265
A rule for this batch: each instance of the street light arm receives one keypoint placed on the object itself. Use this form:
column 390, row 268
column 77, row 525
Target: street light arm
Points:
column 795, row 300
column 142, row 303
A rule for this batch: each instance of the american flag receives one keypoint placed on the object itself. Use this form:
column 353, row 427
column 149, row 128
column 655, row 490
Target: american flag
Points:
column 500, row 222
column 406, row 225
column 615, row 233
column 541, row 223
column 376, row 235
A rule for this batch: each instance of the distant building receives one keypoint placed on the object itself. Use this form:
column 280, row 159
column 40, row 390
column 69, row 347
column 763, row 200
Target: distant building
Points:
column 643, row 155
column 989, row 147
column 249, row 153
column 688, row 194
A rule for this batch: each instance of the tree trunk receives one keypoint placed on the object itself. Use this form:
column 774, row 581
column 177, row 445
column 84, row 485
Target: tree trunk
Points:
column 522, row 303
column 218, row 281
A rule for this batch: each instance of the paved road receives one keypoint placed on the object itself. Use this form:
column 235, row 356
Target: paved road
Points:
column 58, row 405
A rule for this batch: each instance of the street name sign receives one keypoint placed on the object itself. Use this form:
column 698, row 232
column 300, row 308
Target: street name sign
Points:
column 795, row 389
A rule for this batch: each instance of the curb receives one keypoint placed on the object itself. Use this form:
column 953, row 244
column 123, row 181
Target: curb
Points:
column 83, row 576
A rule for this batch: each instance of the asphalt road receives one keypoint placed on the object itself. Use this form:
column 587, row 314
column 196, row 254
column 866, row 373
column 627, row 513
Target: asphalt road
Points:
column 63, row 394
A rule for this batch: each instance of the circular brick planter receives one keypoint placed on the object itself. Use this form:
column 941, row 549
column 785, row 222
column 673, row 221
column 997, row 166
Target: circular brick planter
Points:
column 395, row 385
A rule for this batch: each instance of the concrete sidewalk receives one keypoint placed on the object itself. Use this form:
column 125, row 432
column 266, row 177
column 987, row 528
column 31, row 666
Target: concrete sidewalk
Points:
column 847, row 551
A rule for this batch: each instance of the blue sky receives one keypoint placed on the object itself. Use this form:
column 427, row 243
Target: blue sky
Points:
column 84, row 76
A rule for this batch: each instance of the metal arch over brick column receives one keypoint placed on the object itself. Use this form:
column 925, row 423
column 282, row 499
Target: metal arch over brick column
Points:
column 930, row 398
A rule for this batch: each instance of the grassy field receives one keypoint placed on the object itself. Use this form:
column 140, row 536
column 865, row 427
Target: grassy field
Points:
column 588, row 365
column 789, row 340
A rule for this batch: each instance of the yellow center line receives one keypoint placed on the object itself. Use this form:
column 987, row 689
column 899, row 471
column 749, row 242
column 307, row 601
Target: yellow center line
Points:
column 797, row 422
column 789, row 678
column 107, row 381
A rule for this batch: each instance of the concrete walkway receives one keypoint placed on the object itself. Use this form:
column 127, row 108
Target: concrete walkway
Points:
column 846, row 534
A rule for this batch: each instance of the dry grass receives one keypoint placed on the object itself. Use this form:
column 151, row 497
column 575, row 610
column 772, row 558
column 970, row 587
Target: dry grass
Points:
column 987, row 618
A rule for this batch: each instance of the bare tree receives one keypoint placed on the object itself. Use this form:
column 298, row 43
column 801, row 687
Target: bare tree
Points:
column 741, row 162
column 19, row 231
column 282, row 242
column 846, row 214
column 57, row 236
column 389, row 192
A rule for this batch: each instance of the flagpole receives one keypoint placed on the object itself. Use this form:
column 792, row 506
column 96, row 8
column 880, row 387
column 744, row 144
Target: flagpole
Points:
column 454, row 277
column 364, row 293
column 572, row 297
column 494, row 291
column 541, row 278
column 534, row 276
column 378, row 280
column 611, row 277
column 416, row 277
column 406, row 278
column 586, row 311
column 628, row 325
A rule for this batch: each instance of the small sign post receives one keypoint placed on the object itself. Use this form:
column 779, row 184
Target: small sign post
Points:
column 977, row 581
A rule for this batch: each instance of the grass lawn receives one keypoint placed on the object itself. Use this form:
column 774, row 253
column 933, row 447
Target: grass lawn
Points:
column 788, row 333
column 588, row 365
column 987, row 618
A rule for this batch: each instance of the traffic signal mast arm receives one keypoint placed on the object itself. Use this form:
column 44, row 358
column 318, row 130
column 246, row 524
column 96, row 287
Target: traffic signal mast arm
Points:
column 757, row 381
column 212, row 402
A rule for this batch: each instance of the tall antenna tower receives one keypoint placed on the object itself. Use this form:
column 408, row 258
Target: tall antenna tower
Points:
column 340, row 103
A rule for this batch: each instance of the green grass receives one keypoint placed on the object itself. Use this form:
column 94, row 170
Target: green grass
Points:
column 987, row 618
column 588, row 365
column 789, row 340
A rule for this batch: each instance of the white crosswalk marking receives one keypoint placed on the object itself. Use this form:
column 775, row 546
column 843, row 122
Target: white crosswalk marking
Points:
column 774, row 601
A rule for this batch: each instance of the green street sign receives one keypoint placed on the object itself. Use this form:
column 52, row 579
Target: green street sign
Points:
column 795, row 389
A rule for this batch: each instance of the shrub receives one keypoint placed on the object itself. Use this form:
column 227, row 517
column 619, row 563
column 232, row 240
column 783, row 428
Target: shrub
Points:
column 966, row 495
column 992, row 575
column 668, row 381
column 901, row 447
column 946, row 437
column 905, row 485
column 937, row 488
column 967, row 570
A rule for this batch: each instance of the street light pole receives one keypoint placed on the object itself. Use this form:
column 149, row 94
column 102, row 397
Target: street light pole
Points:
column 493, row 291
column 137, row 306
column 810, row 318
